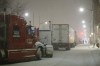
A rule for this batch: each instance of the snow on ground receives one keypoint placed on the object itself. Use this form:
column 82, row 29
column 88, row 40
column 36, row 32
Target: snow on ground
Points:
column 81, row 55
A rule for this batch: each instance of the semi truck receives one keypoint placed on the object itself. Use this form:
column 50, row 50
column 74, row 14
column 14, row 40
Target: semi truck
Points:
column 63, row 36
column 18, row 40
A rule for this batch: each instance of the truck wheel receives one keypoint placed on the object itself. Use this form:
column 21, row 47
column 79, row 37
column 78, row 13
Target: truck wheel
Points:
column 39, row 54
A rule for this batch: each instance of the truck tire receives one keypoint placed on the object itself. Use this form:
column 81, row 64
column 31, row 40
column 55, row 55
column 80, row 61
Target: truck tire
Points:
column 39, row 54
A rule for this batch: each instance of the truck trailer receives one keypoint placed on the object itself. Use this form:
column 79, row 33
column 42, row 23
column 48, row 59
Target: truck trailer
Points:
column 45, row 38
column 63, row 36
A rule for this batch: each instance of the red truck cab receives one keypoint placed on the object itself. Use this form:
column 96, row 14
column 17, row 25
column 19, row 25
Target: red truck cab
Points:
column 17, row 42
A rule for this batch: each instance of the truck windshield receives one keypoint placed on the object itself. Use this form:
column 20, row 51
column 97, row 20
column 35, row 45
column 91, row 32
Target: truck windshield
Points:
column 30, row 30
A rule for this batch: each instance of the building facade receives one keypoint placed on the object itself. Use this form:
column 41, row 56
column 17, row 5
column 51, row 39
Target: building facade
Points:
column 96, row 20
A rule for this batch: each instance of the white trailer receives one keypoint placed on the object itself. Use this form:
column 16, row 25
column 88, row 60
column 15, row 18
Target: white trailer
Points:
column 45, row 32
column 45, row 38
column 62, row 36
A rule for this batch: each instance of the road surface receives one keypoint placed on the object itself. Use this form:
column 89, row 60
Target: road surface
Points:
column 81, row 55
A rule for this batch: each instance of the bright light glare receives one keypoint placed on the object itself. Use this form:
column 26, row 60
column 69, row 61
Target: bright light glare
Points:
column 83, row 22
column 81, row 9
column 91, row 33
column 46, row 22
column 97, row 27
column 84, row 26
column 26, row 14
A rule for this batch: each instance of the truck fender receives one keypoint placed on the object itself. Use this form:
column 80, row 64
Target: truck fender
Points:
column 39, row 44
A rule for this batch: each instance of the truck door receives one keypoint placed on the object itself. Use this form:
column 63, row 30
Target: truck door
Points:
column 18, row 37
column 64, row 32
column 55, row 34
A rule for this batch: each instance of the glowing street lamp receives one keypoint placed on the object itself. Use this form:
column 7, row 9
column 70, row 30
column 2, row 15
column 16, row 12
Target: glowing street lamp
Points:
column 26, row 14
column 84, row 26
column 46, row 22
column 91, row 33
column 81, row 9
column 83, row 22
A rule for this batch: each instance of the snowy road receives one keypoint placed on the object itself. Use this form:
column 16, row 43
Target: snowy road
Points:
column 79, row 56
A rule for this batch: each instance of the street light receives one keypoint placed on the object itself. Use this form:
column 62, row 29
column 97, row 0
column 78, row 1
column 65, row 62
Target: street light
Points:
column 83, row 22
column 91, row 33
column 84, row 26
column 46, row 25
column 81, row 9
column 46, row 22
column 26, row 14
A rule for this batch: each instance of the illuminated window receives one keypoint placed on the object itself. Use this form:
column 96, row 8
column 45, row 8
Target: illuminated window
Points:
column 16, row 31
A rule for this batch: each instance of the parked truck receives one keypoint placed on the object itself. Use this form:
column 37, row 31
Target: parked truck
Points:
column 45, row 38
column 63, row 36
column 17, row 40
